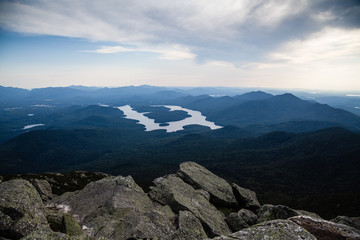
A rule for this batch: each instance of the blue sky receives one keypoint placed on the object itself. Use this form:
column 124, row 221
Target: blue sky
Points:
column 249, row 43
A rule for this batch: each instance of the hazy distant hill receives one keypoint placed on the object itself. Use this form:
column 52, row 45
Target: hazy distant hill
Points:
column 262, row 108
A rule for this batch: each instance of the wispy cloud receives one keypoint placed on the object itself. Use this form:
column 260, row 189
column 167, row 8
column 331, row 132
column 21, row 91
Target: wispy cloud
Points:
column 175, row 52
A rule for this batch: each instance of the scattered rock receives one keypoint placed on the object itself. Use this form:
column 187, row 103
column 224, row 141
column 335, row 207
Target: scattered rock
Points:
column 245, row 197
column 220, row 191
column 350, row 221
column 44, row 189
column 324, row 230
column 117, row 208
column 242, row 219
column 271, row 230
column 173, row 191
column 189, row 227
column 269, row 212
column 21, row 209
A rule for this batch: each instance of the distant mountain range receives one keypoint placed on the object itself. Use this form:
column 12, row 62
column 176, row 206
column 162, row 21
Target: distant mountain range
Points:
column 291, row 150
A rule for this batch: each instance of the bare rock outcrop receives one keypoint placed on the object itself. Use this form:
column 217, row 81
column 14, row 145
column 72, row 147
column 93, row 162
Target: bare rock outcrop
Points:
column 242, row 219
column 44, row 189
column 21, row 210
column 180, row 196
column 117, row 208
column 324, row 230
column 271, row 230
column 197, row 176
column 245, row 197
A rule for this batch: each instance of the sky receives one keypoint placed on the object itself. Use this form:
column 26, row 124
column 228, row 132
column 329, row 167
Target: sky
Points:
column 303, row 44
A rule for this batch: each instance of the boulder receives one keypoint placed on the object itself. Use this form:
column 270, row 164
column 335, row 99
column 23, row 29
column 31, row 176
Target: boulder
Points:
column 350, row 221
column 173, row 191
column 44, row 189
column 189, row 228
column 272, row 230
column 309, row 214
column 242, row 219
column 245, row 197
column 21, row 209
column 269, row 212
column 117, row 208
column 70, row 226
column 55, row 219
column 324, row 230
column 197, row 176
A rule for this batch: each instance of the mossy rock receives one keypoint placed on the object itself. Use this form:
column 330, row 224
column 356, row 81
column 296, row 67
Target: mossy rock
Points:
column 21, row 210
column 70, row 226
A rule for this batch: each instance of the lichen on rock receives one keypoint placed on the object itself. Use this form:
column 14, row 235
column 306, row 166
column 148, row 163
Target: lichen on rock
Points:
column 21, row 209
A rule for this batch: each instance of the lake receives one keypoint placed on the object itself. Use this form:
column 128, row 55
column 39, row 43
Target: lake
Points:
column 196, row 118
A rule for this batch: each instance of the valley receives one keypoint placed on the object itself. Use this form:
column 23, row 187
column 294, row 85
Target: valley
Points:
column 291, row 151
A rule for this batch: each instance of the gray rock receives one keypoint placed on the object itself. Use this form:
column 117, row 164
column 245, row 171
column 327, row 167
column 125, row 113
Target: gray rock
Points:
column 245, row 197
column 272, row 230
column 44, row 189
column 48, row 235
column 189, row 227
column 70, row 226
column 173, row 191
column 21, row 209
column 117, row 208
column 324, row 230
column 54, row 219
column 309, row 214
column 269, row 212
column 220, row 191
column 350, row 221
column 204, row 193
column 242, row 219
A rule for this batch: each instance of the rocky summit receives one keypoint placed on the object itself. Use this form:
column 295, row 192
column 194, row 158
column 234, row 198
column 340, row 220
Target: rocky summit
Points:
column 194, row 203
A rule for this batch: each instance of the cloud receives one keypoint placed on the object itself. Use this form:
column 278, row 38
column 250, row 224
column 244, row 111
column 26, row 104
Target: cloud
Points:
column 175, row 52
column 330, row 44
column 217, row 30
column 220, row 63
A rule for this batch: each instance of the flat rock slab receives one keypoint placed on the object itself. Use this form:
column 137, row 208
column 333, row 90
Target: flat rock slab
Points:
column 324, row 230
column 117, row 208
column 272, row 230
column 180, row 196
column 220, row 191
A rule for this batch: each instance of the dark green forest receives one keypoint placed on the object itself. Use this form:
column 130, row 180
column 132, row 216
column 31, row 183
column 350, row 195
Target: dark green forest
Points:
column 290, row 151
